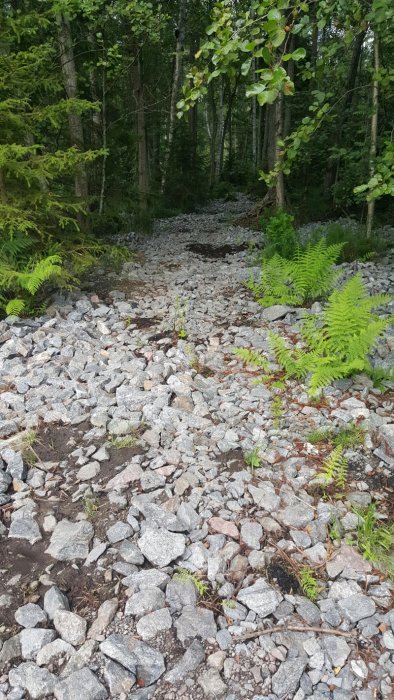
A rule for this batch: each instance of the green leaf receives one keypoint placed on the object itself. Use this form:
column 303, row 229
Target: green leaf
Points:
column 278, row 37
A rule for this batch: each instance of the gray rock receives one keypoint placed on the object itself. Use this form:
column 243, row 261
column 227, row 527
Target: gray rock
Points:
column 132, row 472
column 356, row 607
column 5, row 480
column 70, row 688
column 53, row 651
column 130, row 553
column 159, row 517
column 143, row 661
column 88, row 471
column 251, row 534
column 118, row 679
column 118, row 532
column 195, row 622
column 14, row 462
column 386, row 433
column 32, row 640
column 264, row 496
column 191, row 659
column 70, row 540
column 160, row 546
column 262, row 598
column 38, row 682
column 179, row 594
column 212, row 684
column 25, row 528
column 105, row 615
column 80, row 658
column 337, row 649
column 54, row 600
column 149, row 626
column 298, row 515
column 146, row 579
column 30, row 615
column 144, row 602
column 10, row 650
column 275, row 312
column 286, row 680
column 71, row 627
column 7, row 428
column 188, row 516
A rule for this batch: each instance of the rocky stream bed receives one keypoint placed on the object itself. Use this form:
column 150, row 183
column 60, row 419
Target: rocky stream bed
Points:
column 125, row 419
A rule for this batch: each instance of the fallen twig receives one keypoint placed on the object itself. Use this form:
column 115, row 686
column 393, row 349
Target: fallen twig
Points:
column 292, row 628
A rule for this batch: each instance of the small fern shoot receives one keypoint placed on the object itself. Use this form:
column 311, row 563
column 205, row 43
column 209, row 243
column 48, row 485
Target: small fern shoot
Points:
column 309, row 583
column 335, row 468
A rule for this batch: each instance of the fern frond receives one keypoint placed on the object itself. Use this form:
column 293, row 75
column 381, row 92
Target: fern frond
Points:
column 335, row 468
column 15, row 307
column 252, row 357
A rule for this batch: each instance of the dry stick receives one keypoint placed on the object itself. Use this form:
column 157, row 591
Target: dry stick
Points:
column 292, row 628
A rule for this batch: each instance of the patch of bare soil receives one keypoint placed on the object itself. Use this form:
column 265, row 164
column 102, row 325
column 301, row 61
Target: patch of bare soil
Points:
column 215, row 252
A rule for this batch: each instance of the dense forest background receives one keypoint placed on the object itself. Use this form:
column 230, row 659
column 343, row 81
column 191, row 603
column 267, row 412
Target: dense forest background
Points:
column 113, row 113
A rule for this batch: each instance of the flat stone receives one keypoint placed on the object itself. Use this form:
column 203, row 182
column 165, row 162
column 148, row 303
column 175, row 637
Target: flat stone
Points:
column 181, row 593
column 149, row 626
column 386, row 433
column 275, row 312
column 70, row 540
column 38, row 682
column 146, row 578
column 212, row 684
column 30, row 615
column 32, row 640
column 118, row 679
column 131, row 473
column 298, row 515
column 71, row 627
column 286, row 680
column 160, row 546
column 347, row 561
column 357, row 607
column 70, row 688
column 53, row 651
column 10, row 650
column 337, row 650
column 118, row 532
column 88, row 471
column 14, row 461
column 105, row 615
column 54, row 600
column 143, row 661
column 262, row 598
column 25, row 528
column 80, row 658
column 264, row 496
column 224, row 527
column 160, row 517
column 131, row 553
column 195, row 622
column 251, row 534
column 144, row 602
column 191, row 659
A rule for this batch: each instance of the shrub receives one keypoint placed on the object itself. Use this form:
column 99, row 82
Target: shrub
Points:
column 309, row 275
column 280, row 235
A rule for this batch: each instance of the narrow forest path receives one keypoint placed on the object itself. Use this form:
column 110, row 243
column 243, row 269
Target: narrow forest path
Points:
column 141, row 555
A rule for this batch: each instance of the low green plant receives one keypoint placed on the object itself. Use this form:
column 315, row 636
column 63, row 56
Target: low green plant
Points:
column 375, row 540
column 184, row 575
column 337, row 344
column 125, row 441
column 228, row 604
column 252, row 357
column 277, row 410
column 280, row 235
column 356, row 244
column 252, row 458
column 334, row 529
column 180, row 318
column 90, row 505
column 347, row 437
column 335, row 468
column 308, row 582
column 308, row 276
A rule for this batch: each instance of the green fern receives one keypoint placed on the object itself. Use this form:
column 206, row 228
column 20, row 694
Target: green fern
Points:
column 184, row 575
column 375, row 540
column 337, row 345
column 309, row 275
column 252, row 357
column 309, row 583
column 335, row 468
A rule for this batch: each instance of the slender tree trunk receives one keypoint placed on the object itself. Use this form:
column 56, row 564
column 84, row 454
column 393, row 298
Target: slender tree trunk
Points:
column 212, row 127
column 69, row 73
column 175, row 88
column 374, row 128
column 254, row 117
column 315, row 32
column 139, row 99
column 104, row 141
column 219, row 145
column 280, row 181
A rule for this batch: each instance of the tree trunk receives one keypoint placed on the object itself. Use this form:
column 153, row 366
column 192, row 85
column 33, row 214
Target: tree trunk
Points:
column 315, row 32
column 104, row 141
column 69, row 73
column 280, row 181
column 175, row 88
column 374, row 128
column 139, row 99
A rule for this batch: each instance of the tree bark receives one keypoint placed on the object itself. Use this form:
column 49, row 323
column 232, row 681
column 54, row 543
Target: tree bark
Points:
column 142, row 148
column 280, row 181
column 69, row 73
column 175, row 88
column 374, row 129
